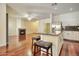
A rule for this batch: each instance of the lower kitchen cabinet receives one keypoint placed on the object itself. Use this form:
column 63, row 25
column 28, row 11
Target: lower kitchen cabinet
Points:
column 71, row 35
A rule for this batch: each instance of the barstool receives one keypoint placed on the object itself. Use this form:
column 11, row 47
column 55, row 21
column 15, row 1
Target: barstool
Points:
column 36, row 38
column 44, row 45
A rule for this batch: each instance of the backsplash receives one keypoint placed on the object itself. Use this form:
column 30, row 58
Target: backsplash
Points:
column 71, row 28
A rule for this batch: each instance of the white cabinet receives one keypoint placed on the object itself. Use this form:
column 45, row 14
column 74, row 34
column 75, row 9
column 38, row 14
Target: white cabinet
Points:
column 66, row 35
column 76, row 36
column 71, row 35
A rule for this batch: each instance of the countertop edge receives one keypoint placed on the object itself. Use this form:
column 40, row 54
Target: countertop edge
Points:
column 48, row 34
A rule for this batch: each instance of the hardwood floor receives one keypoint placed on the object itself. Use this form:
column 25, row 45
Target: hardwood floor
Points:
column 70, row 49
column 23, row 48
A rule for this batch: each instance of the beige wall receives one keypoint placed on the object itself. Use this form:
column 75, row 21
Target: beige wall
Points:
column 31, row 26
column 14, row 22
column 2, row 24
column 35, row 26
column 42, row 23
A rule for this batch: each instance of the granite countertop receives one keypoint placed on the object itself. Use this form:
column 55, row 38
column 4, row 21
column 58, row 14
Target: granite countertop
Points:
column 53, row 34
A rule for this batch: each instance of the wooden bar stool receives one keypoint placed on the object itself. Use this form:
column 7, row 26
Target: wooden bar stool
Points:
column 44, row 45
column 36, row 38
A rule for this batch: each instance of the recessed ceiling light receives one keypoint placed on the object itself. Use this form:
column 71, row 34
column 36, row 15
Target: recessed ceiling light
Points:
column 70, row 9
column 55, row 8
column 26, row 15
column 29, row 18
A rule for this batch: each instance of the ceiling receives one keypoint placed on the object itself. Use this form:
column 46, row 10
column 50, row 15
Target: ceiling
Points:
column 43, row 10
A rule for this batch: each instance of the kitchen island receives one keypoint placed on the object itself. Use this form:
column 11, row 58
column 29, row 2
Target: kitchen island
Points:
column 56, row 39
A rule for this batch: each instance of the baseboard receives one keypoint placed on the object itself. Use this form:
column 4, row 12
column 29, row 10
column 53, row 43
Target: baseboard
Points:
column 2, row 45
column 12, row 35
column 71, row 40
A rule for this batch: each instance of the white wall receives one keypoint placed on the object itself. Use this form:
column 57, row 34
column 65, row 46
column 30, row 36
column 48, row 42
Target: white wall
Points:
column 11, row 25
column 69, row 19
column 18, row 25
column 14, row 22
column 2, row 24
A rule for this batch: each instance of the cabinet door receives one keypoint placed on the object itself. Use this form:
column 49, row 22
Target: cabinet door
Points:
column 71, row 35
column 68, row 35
column 76, row 36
